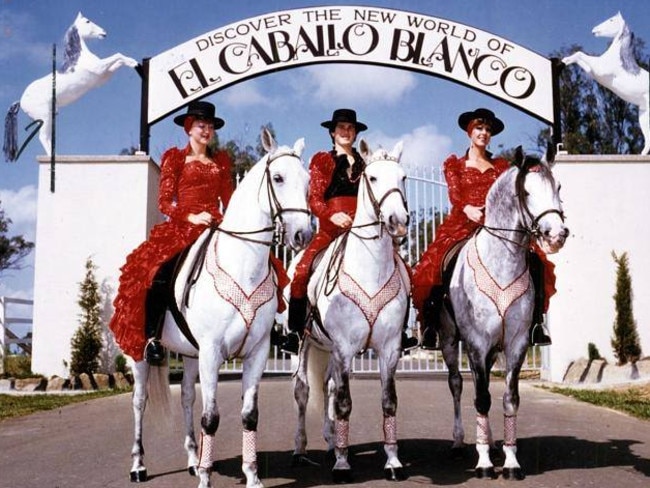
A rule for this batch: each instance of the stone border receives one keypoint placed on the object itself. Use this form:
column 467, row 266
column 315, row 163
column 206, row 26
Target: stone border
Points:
column 56, row 384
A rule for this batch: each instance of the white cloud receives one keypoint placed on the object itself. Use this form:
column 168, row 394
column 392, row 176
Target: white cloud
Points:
column 424, row 147
column 244, row 94
column 20, row 205
column 351, row 84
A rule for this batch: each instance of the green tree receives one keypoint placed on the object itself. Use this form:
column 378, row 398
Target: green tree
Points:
column 86, row 342
column 12, row 249
column 595, row 120
column 626, row 338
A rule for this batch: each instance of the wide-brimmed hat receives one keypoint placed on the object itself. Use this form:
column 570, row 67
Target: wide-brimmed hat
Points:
column 344, row 115
column 200, row 110
column 484, row 114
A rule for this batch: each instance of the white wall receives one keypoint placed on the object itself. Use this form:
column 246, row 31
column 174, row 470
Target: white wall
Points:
column 102, row 208
column 606, row 201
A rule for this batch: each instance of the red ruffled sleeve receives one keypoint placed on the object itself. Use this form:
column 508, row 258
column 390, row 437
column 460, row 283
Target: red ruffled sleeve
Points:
column 452, row 168
column 171, row 167
column 321, row 169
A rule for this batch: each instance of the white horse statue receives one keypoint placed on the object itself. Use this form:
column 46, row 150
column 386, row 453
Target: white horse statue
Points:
column 230, row 308
column 81, row 71
column 492, row 299
column 360, row 289
column 617, row 70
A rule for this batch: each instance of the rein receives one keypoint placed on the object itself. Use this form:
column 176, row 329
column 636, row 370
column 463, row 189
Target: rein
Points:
column 276, row 210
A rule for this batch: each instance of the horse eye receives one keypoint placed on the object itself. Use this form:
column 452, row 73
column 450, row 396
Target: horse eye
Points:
column 278, row 178
column 372, row 179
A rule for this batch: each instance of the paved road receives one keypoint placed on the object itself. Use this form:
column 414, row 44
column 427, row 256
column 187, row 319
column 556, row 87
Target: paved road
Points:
column 562, row 443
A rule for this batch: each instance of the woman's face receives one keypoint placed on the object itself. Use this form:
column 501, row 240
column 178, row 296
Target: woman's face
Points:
column 344, row 134
column 480, row 135
column 202, row 131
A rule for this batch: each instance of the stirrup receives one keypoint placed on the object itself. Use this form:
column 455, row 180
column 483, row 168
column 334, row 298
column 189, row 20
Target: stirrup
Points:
column 430, row 343
column 292, row 343
column 154, row 352
column 538, row 336
column 409, row 343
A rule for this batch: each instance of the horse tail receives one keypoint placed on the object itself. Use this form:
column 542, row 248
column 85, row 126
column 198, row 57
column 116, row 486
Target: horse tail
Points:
column 10, row 147
column 317, row 376
column 159, row 394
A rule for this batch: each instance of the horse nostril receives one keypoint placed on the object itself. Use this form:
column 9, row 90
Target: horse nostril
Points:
column 565, row 232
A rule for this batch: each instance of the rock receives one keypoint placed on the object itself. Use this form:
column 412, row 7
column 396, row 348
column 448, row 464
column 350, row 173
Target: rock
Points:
column 594, row 372
column 617, row 374
column 102, row 381
column 120, row 382
column 6, row 385
column 56, row 383
column 576, row 372
column 30, row 384
column 86, row 382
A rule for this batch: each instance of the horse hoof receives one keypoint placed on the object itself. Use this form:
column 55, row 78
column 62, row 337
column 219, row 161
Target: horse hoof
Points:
column 302, row 460
column 193, row 470
column 139, row 476
column 394, row 474
column 342, row 476
column 483, row 473
column 516, row 474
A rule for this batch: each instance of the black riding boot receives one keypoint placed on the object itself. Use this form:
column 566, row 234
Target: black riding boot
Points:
column 297, row 319
column 156, row 301
column 538, row 335
column 431, row 319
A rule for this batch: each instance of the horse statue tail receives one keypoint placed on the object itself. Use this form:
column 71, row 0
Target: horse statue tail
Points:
column 10, row 147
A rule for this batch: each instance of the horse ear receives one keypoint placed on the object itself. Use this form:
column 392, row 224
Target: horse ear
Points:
column 299, row 146
column 397, row 150
column 519, row 157
column 364, row 148
column 268, row 142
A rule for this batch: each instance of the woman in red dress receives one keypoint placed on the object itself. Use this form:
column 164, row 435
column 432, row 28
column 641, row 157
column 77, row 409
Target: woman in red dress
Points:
column 194, row 181
column 469, row 179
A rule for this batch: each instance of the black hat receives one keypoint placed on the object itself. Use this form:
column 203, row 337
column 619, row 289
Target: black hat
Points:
column 484, row 114
column 200, row 110
column 344, row 115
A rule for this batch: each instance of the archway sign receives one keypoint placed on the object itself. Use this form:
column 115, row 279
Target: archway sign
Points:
column 349, row 34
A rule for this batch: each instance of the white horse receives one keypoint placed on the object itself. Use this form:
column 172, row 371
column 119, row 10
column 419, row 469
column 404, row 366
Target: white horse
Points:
column 492, row 299
column 617, row 70
column 231, row 306
column 81, row 71
column 360, row 289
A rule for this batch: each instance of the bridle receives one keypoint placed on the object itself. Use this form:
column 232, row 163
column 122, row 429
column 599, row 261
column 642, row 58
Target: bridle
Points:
column 532, row 230
column 275, row 206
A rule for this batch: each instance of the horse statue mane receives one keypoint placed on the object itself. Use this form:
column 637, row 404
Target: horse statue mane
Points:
column 80, row 72
column 617, row 69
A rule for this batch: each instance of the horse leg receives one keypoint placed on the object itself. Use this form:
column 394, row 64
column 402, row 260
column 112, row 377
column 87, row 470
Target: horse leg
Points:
column 342, row 472
column 209, row 363
column 188, row 397
column 511, row 467
column 483, row 401
column 45, row 135
column 254, row 365
column 644, row 122
column 582, row 60
column 393, row 469
column 455, row 383
column 140, row 376
column 301, row 396
column 114, row 62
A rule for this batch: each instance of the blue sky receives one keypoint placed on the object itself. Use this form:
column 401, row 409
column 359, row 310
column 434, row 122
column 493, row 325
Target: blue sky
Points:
column 419, row 109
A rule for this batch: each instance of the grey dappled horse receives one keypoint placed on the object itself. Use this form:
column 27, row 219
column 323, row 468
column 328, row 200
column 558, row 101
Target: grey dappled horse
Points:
column 492, row 297
column 360, row 289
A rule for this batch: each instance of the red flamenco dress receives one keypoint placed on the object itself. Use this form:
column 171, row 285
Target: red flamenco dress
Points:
column 466, row 186
column 185, row 188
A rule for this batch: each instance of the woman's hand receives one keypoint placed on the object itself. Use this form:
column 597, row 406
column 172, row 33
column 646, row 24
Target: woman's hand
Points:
column 341, row 219
column 203, row 218
column 473, row 213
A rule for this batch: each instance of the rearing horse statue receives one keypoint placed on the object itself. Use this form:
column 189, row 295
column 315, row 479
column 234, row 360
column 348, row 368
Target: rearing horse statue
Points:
column 81, row 71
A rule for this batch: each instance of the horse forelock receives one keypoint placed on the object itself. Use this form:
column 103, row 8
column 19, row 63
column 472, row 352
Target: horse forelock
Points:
column 71, row 50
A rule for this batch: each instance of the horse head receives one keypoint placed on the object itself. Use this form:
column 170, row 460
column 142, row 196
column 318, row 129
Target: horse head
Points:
column 382, row 194
column 612, row 27
column 538, row 194
column 88, row 29
column 285, row 190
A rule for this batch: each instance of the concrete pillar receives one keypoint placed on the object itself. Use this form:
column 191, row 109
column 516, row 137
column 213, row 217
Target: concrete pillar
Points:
column 605, row 200
column 102, row 208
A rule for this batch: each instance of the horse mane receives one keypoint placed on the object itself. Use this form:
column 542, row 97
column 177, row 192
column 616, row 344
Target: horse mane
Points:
column 627, row 51
column 71, row 50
